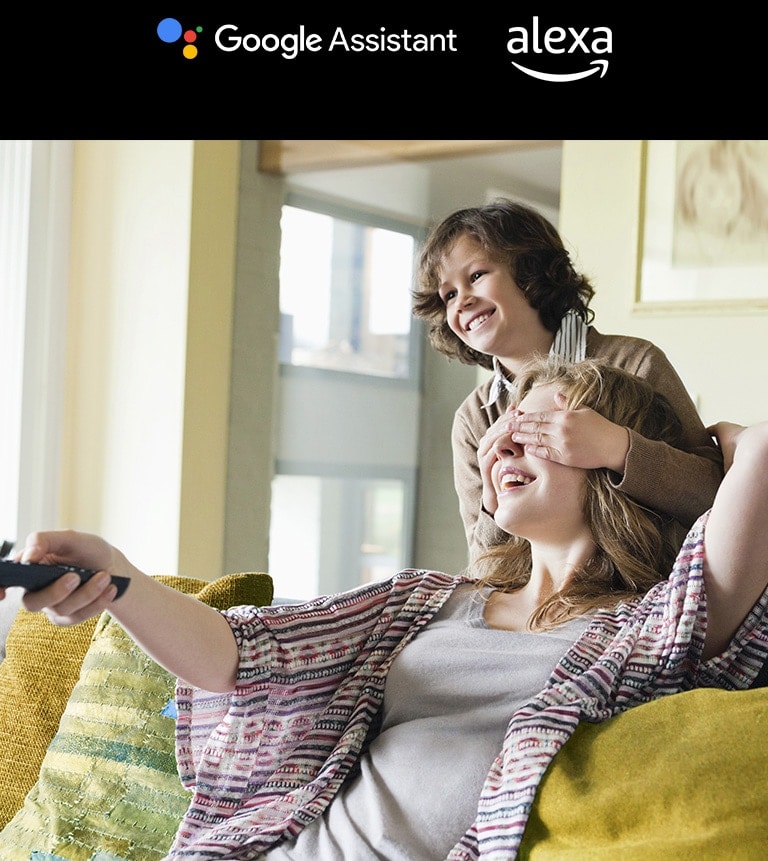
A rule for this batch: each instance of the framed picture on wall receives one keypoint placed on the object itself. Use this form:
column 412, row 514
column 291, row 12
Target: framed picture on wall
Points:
column 703, row 225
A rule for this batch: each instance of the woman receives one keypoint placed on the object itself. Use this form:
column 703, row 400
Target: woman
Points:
column 413, row 718
column 496, row 287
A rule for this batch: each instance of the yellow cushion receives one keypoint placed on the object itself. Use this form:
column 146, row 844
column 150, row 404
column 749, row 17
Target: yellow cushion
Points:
column 680, row 779
column 107, row 781
column 41, row 666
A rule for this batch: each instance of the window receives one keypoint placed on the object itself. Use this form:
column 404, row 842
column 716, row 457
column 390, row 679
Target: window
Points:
column 343, row 493
column 342, row 302
column 35, row 215
column 329, row 534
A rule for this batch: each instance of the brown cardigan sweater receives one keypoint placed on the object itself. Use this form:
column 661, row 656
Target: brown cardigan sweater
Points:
column 679, row 482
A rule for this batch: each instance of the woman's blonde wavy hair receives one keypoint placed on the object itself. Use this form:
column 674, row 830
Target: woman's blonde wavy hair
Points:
column 636, row 547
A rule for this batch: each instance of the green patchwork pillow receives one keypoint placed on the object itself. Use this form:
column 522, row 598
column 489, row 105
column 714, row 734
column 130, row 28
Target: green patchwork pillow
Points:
column 108, row 788
column 680, row 779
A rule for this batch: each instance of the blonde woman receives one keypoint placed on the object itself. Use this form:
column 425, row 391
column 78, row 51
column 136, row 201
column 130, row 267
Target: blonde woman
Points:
column 306, row 732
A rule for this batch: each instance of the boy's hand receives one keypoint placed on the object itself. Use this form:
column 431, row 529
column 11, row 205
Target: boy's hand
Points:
column 581, row 438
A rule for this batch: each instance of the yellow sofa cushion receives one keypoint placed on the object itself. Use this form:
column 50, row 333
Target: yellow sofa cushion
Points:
column 41, row 666
column 106, row 781
column 682, row 778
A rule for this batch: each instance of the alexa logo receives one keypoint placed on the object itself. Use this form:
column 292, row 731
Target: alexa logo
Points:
column 170, row 30
column 548, row 47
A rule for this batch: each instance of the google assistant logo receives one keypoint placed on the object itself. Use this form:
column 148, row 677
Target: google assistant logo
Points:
column 170, row 30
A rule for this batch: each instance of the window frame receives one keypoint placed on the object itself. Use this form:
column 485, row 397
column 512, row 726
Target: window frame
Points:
column 345, row 212
column 38, row 183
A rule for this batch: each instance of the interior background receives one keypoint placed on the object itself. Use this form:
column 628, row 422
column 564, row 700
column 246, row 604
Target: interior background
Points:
column 170, row 376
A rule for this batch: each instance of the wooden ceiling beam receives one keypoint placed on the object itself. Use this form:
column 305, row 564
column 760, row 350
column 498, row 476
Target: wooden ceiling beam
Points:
column 296, row 156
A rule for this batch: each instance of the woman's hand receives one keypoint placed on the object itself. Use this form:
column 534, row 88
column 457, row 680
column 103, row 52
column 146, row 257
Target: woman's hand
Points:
column 727, row 435
column 66, row 601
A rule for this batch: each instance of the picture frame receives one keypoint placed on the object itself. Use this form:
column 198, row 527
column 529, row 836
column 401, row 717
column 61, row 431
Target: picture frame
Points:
column 703, row 227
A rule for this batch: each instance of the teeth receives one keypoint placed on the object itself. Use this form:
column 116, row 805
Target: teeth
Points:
column 477, row 321
column 513, row 480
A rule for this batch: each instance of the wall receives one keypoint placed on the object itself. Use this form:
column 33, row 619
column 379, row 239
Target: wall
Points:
column 720, row 357
column 212, row 269
column 35, row 232
column 162, row 458
column 253, row 384
column 149, row 331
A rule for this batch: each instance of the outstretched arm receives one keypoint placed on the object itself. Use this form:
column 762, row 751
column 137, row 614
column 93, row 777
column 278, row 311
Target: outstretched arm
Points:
column 736, row 538
column 188, row 638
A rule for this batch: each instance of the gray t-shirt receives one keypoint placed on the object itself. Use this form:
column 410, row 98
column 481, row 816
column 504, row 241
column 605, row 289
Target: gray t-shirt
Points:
column 448, row 699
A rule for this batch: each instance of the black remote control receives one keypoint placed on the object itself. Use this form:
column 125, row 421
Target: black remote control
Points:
column 33, row 576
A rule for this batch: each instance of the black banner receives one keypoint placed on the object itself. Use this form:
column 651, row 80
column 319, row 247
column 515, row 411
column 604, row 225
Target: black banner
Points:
column 174, row 69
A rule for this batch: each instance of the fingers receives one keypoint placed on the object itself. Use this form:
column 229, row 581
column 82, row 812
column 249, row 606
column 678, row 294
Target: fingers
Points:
column 532, row 429
column 727, row 436
column 530, row 435
column 490, row 446
column 723, row 428
column 528, row 422
column 500, row 426
column 726, row 433
column 57, row 592
column 486, row 460
column 68, row 602
column 34, row 549
column 536, row 431
column 50, row 547
column 67, row 547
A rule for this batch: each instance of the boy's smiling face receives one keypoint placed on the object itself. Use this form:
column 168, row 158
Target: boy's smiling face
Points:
column 485, row 308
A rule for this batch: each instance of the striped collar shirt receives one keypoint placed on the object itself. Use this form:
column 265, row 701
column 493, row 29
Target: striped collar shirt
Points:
column 570, row 343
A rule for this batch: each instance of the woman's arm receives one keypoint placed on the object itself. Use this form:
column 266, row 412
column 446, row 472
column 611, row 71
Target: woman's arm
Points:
column 736, row 538
column 188, row 638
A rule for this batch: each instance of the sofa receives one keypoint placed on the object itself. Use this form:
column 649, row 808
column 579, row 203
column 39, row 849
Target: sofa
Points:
column 88, row 770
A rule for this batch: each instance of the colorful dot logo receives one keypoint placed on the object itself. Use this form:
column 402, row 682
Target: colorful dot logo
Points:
column 170, row 30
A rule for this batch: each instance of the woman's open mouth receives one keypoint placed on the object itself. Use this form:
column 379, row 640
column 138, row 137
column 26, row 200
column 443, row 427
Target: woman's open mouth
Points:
column 512, row 478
